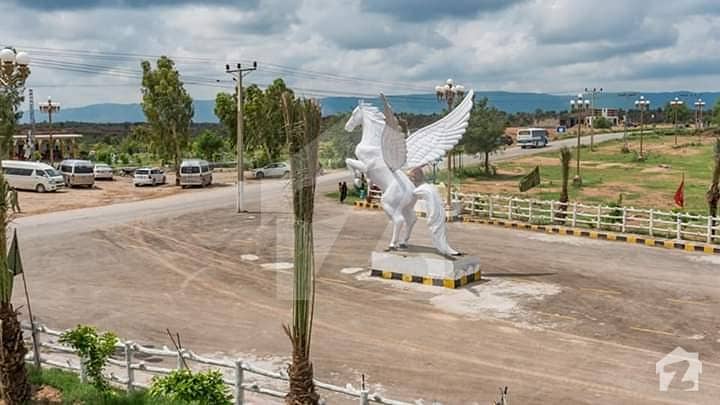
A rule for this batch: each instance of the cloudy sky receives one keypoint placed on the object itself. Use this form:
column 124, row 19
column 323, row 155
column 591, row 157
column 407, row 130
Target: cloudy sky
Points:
column 88, row 51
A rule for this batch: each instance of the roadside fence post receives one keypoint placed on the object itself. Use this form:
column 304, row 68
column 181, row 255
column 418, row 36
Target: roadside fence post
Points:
column 473, row 201
column 530, row 206
column 510, row 204
column 709, row 229
column 574, row 214
column 597, row 220
column 180, row 359
column 239, row 377
column 678, row 228
column 552, row 211
column 83, row 373
column 651, row 222
column 490, row 206
column 363, row 391
column 624, row 220
column 128, row 365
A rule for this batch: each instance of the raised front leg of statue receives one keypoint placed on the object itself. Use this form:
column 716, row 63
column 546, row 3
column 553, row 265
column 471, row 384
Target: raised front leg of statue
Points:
column 356, row 165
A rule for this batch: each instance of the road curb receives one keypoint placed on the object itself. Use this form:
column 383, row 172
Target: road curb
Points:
column 367, row 205
column 686, row 246
column 437, row 282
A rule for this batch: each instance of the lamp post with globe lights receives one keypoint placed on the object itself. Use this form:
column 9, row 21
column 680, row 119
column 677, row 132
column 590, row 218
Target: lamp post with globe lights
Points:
column 643, row 105
column 675, row 105
column 699, row 106
column 450, row 93
column 580, row 105
column 14, row 71
column 50, row 108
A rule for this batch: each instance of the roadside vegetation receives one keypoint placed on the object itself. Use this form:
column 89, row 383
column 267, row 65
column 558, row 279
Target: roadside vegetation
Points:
column 607, row 173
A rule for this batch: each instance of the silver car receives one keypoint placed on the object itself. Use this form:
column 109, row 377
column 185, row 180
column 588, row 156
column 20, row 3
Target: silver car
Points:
column 149, row 176
column 103, row 171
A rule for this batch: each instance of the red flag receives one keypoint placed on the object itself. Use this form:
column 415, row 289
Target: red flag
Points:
column 680, row 194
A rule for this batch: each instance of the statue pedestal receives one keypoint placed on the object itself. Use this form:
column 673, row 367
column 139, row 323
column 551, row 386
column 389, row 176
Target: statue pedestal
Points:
column 424, row 265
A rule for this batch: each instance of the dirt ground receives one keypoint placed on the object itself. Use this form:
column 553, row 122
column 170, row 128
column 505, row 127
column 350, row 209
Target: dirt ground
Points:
column 558, row 319
column 106, row 192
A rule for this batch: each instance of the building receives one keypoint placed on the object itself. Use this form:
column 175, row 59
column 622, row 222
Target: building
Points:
column 610, row 114
column 66, row 146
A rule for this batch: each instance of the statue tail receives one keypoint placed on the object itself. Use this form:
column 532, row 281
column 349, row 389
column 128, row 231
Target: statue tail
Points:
column 435, row 218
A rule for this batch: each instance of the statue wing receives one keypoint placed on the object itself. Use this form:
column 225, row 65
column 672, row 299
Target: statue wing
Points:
column 432, row 142
column 394, row 147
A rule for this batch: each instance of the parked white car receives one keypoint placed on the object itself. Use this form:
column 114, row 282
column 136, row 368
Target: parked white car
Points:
column 103, row 171
column 149, row 176
column 36, row 176
column 280, row 169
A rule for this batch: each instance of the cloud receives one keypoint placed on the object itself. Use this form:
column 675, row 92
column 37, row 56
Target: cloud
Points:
column 54, row 5
column 429, row 10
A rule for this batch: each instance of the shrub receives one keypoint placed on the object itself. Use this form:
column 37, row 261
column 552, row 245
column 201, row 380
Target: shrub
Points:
column 203, row 388
column 601, row 123
column 94, row 350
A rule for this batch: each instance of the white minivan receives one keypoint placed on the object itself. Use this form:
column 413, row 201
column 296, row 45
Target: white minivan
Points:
column 195, row 172
column 36, row 176
column 78, row 172
column 535, row 137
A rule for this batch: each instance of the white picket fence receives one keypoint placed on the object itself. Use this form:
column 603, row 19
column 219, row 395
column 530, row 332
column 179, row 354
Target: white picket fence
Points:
column 655, row 223
column 128, row 366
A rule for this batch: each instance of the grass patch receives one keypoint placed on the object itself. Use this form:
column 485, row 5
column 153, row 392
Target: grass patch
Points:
column 607, row 172
column 74, row 392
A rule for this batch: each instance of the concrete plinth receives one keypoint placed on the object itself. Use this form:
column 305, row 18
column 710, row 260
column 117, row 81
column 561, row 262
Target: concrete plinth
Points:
column 424, row 265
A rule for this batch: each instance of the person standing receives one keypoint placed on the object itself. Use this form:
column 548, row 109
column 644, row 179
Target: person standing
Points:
column 343, row 192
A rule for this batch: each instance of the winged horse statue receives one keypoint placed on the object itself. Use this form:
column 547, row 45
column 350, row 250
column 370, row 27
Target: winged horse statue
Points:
column 384, row 155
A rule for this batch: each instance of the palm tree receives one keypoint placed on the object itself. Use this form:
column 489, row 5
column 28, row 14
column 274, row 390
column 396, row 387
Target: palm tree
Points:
column 565, row 157
column 14, row 386
column 713, row 194
column 302, row 127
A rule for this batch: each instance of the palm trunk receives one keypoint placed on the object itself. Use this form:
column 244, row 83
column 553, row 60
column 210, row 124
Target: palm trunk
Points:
column 302, row 125
column 14, row 387
column 13, row 377
column 713, row 194
column 565, row 157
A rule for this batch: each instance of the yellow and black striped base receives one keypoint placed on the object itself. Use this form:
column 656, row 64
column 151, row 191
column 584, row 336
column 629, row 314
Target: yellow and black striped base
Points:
column 365, row 204
column 603, row 235
column 437, row 282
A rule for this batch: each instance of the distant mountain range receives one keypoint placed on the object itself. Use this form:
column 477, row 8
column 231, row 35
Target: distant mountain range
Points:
column 416, row 103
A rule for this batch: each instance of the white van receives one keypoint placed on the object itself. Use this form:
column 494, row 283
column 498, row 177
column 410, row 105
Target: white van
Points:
column 36, row 176
column 195, row 172
column 78, row 172
column 535, row 137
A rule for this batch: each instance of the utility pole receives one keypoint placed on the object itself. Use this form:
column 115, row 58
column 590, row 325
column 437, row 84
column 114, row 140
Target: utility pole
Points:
column 50, row 108
column 240, row 202
column 580, row 105
column 30, row 140
column 675, row 104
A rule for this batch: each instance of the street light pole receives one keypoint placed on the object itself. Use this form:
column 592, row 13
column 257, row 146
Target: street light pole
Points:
column 580, row 105
column 50, row 108
column 240, row 198
column 675, row 104
column 450, row 92
column 593, row 93
column 642, row 104
column 14, row 71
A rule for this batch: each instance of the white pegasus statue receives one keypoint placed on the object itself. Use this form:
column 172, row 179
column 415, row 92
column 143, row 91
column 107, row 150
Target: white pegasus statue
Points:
column 385, row 155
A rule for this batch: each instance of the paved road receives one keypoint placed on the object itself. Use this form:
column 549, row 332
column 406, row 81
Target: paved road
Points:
column 560, row 320
column 516, row 152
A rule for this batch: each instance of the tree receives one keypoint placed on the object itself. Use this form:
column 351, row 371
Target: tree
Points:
column 713, row 194
column 302, row 126
column 262, row 118
column 486, row 131
column 208, row 144
column 168, row 109
column 565, row 157
column 601, row 123
column 682, row 110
